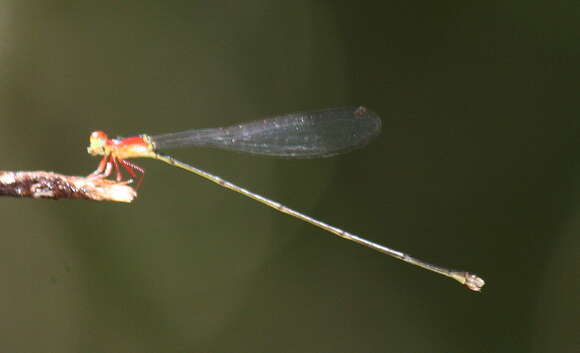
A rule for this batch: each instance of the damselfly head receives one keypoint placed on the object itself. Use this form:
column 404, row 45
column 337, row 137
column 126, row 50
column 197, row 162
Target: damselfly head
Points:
column 98, row 141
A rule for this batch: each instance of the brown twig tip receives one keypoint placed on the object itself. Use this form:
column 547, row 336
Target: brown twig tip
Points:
column 47, row 185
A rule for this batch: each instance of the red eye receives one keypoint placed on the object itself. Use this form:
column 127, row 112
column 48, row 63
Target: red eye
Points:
column 99, row 135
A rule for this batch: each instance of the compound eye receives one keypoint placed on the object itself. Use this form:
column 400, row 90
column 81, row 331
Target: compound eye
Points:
column 98, row 140
column 99, row 135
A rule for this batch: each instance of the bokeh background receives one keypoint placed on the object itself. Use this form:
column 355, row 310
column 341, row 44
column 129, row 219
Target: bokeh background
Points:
column 477, row 168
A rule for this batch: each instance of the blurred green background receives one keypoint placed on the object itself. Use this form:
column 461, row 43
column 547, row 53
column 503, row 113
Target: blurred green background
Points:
column 477, row 168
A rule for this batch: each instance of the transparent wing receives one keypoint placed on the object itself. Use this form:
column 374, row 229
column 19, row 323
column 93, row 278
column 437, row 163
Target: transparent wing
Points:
column 309, row 134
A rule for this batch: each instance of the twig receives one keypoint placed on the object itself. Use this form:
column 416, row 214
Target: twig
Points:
column 48, row 185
